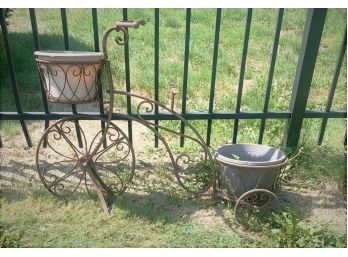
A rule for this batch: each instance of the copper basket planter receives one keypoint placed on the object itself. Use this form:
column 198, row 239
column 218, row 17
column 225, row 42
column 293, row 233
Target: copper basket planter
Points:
column 70, row 77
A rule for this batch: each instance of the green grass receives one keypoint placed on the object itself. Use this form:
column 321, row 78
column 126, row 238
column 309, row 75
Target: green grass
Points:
column 333, row 166
column 135, row 222
column 285, row 229
column 9, row 128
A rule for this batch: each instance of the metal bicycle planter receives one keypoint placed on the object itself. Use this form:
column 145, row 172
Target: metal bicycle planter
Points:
column 107, row 161
column 249, row 175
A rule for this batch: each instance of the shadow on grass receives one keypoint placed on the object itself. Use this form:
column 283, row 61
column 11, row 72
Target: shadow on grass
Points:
column 157, row 206
column 19, row 182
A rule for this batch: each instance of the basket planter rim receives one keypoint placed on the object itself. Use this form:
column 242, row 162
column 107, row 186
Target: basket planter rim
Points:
column 69, row 56
column 59, row 101
column 250, row 164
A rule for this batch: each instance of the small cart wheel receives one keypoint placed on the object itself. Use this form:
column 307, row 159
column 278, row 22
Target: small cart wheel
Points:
column 252, row 205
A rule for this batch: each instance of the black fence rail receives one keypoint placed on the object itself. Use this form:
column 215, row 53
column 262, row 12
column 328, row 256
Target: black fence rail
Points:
column 295, row 114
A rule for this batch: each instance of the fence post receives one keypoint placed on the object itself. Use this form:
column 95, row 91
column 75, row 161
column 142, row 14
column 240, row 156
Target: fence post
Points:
column 304, row 74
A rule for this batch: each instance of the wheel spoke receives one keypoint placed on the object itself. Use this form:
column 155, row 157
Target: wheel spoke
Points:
column 59, row 153
column 57, row 181
column 113, row 173
column 101, row 152
column 50, row 165
column 62, row 133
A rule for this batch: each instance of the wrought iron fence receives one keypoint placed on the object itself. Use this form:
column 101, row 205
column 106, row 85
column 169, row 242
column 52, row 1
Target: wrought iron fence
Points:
column 295, row 114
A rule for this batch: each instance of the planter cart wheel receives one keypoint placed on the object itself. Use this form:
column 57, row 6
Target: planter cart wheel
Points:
column 252, row 204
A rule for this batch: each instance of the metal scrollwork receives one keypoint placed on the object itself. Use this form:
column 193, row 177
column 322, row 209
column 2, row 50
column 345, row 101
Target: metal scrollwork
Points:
column 119, row 40
column 182, row 159
column 195, row 174
column 257, row 199
column 62, row 172
column 70, row 82
column 251, row 205
column 148, row 108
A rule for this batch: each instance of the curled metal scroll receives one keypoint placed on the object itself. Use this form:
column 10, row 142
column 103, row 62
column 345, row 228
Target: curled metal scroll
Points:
column 119, row 40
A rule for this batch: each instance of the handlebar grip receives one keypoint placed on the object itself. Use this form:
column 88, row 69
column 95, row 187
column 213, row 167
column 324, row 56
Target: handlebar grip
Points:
column 130, row 24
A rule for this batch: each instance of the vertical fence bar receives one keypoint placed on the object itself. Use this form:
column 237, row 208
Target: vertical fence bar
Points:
column 67, row 47
column 186, row 62
column 271, row 71
column 37, row 48
column 333, row 85
column 156, row 68
column 304, row 73
column 65, row 28
column 13, row 75
column 127, row 71
column 34, row 29
column 242, row 70
column 213, row 73
column 100, row 85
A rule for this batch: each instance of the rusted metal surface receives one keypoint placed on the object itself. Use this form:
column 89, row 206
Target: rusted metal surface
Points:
column 174, row 91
